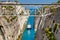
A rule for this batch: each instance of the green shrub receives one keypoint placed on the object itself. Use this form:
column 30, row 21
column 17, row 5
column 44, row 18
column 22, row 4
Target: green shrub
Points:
column 49, row 34
column 46, row 7
column 55, row 27
column 14, row 17
column 58, row 1
column 53, row 9
column 59, row 26
column 7, row 19
column 21, row 13
column 53, row 21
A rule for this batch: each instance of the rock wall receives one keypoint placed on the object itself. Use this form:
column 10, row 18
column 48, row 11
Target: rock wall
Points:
column 49, row 21
column 10, row 24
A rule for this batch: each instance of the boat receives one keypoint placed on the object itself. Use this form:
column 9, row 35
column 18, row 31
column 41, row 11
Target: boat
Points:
column 29, row 26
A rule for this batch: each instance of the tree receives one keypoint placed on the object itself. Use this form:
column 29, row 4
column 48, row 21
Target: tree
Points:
column 16, row 0
column 53, row 9
column 50, row 35
column 58, row 1
column 21, row 13
column 46, row 7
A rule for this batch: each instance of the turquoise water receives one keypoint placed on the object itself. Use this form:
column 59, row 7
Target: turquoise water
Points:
column 29, row 34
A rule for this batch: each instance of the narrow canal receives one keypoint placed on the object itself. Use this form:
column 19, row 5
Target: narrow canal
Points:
column 29, row 34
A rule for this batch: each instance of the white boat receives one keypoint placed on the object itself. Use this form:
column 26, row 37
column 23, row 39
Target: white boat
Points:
column 29, row 26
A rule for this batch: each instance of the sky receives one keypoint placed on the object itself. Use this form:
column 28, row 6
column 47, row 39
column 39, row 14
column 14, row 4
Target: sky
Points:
column 36, row 2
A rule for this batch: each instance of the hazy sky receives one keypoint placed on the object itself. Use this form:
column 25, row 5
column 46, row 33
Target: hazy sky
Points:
column 36, row 2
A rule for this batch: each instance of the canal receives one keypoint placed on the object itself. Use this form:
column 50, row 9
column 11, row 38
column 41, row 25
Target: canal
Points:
column 29, row 34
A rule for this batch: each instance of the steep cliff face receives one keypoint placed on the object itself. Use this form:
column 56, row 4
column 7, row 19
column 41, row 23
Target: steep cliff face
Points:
column 10, row 24
column 44, row 22
column 49, row 29
column 10, row 29
column 57, row 21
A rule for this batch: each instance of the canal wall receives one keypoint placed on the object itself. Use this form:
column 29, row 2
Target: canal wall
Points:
column 37, row 19
column 44, row 22
column 49, row 21
column 12, row 23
